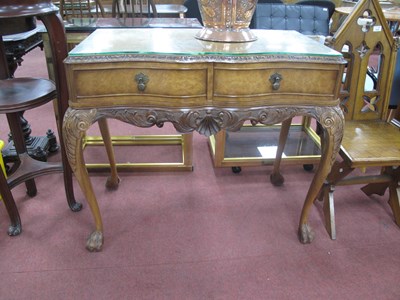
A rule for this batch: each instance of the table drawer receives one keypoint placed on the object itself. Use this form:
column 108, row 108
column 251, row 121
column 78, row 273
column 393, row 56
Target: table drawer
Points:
column 266, row 84
column 160, row 85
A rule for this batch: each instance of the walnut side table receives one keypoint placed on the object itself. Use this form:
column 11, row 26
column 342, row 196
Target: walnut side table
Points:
column 147, row 77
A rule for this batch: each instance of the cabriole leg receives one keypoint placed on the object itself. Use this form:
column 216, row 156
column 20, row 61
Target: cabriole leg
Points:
column 76, row 123
column 332, row 122
column 113, row 180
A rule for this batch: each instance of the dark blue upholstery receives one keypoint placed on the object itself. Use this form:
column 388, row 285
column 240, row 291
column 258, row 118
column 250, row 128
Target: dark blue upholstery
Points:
column 395, row 94
column 323, row 3
column 193, row 10
column 306, row 19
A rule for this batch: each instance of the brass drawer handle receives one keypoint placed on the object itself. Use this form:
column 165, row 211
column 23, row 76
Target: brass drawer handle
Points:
column 141, row 80
column 275, row 79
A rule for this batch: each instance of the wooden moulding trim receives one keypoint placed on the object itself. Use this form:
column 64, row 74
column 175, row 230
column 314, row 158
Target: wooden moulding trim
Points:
column 205, row 58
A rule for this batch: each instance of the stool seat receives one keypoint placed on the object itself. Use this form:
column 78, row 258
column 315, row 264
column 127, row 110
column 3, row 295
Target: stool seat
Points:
column 20, row 94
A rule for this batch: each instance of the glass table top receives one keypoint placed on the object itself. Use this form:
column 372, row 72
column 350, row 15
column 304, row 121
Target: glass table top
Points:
column 174, row 41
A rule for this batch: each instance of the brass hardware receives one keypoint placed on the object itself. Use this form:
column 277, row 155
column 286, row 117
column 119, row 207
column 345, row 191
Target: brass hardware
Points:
column 275, row 79
column 141, row 80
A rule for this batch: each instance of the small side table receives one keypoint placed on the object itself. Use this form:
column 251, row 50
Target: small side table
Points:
column 16, row 46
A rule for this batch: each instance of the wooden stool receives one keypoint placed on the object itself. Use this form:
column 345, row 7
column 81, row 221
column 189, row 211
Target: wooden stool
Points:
column 20, row 94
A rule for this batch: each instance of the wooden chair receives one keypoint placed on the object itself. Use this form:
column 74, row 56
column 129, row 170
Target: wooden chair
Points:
column 81, row 9
column 369, row 140
column 366, row 144
column 20, row 94
column 134, row 8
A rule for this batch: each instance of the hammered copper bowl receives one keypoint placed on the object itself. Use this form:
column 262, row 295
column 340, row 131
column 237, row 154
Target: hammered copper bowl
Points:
column 226, row 21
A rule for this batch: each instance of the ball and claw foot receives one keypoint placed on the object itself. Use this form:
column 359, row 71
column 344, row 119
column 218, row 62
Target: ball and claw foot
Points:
column 112, row 183
column 14, row 230
column 306, row 234
column 94, row 242
column 277, row 179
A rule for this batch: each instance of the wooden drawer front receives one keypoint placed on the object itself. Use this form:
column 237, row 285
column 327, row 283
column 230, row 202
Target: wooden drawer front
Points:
column 252, row 86
column 117, row 86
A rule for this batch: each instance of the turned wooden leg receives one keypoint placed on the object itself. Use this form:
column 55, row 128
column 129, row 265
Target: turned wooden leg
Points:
column 276, row 177
column 76, row 123
column 56, row 32
column 331, row 136
column 20, row 147
column 113, row 180
column 15, row 227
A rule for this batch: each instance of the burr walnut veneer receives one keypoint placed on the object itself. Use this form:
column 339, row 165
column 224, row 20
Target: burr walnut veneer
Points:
column 77, row 29
column 150, row 76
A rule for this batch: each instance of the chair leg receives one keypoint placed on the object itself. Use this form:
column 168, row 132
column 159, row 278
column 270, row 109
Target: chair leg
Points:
column 113, row 180
column 339, row 171
column 276, row 177
column 15, row 227
column 394, row 201
column 394, row 194
column 380, row 188
column 329, row 209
